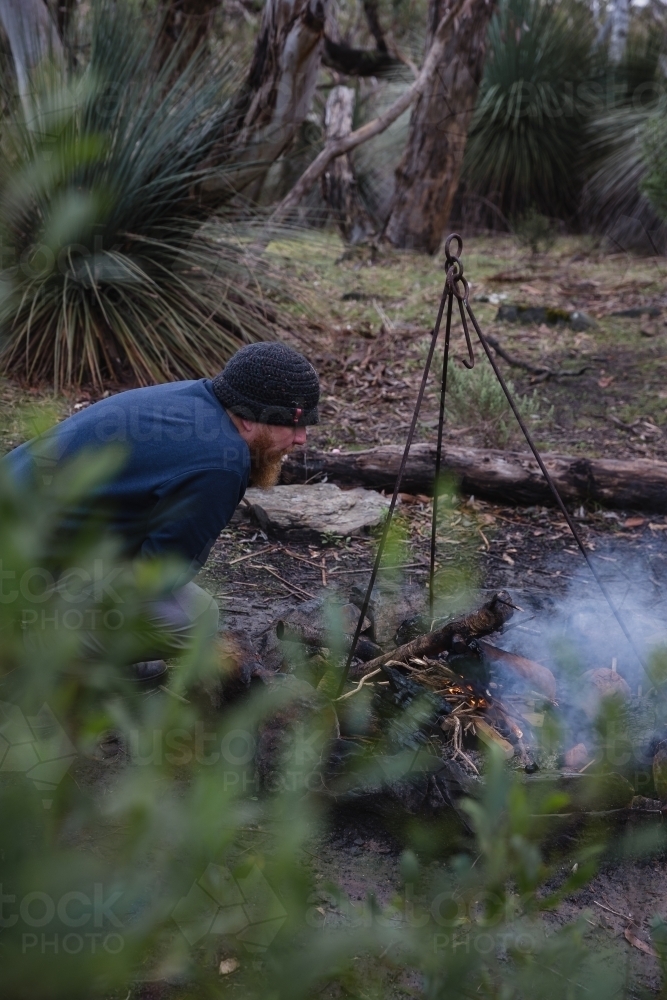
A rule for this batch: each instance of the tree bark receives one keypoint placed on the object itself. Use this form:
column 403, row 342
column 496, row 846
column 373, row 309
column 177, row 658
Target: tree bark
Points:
column 64, row 11
column 374, row 26
column 428, row 174
column 504, row 476
column 339, row 185
column 314, row 171
column 32, row 37
column 357, row 62
column 619, row 18
column 186, row 23
column 281, row 82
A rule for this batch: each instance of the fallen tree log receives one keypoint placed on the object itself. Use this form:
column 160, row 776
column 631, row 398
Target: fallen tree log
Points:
column 490, row 617
column 509, row 477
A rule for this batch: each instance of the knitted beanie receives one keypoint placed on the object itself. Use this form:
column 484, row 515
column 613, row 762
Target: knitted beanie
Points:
column 269, row 383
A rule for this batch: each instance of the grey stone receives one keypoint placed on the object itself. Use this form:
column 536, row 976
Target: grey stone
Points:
column 321, row 508
column 581, row 321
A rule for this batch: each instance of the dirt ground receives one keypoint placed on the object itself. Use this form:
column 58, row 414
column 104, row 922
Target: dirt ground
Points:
column 369, row 349
column 529, row 553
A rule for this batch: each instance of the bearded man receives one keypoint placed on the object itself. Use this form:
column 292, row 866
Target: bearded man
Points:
column 190, row 449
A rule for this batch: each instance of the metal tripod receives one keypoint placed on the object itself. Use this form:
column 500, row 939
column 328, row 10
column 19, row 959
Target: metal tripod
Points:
column 456, row 288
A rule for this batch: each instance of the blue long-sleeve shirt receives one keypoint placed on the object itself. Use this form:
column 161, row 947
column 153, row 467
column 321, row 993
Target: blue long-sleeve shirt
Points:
column 185, row 470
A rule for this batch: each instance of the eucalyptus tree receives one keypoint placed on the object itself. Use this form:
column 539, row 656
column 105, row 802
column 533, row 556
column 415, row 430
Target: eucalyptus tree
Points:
column 32, row 35
column 428, row 175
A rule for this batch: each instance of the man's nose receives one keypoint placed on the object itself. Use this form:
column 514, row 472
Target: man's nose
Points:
column 300, row 435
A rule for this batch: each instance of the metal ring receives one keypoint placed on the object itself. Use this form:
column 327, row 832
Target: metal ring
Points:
column 453, row 279
column 448, row 242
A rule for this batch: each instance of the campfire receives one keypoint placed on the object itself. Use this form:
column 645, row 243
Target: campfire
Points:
column 454, row 691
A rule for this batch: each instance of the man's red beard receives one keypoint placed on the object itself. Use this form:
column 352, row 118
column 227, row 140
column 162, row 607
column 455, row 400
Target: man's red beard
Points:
column 265, row 462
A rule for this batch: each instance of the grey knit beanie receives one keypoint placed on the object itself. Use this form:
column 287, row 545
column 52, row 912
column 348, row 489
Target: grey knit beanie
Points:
column 269, row 383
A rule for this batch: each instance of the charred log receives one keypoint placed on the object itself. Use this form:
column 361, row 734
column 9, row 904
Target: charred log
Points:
column 504, row 476
column 318, row 639
column 489, row 618
column 357, row 62
column 374, row 26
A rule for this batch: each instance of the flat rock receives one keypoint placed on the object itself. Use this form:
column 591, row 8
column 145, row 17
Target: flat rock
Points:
column 320, row 508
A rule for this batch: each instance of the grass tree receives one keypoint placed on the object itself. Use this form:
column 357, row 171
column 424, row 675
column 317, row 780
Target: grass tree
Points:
column 527, row 135
column 113, row 267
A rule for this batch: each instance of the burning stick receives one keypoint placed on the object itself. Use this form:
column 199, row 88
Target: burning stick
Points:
column 489, row 618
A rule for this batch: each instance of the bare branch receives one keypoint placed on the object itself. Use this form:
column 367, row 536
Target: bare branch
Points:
column 378, row 125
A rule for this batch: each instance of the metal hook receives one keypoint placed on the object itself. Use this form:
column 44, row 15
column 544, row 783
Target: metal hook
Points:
column 469, row 362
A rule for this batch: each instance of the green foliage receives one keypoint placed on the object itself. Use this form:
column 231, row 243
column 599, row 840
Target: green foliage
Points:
column 525, row 139
column 615, row 146
column 157, row 865
column 619, row 135
column 116, row 266
column 654, row 183
column 476, row 400
column 535, row 231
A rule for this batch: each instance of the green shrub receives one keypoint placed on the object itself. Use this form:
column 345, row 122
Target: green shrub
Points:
column 534, row 231
column 129, row 871
column 476, row 400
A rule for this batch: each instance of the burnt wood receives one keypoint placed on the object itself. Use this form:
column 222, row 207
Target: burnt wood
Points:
column 488, row 618
column 508, row 477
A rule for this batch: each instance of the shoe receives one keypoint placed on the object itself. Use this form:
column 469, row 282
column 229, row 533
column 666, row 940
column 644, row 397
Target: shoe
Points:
column 149, row 671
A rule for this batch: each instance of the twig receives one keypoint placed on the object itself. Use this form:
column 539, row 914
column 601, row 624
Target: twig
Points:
column 366, row 677
column 295, row 555
column 362, row 569
column 172, row 694
column 298, row 591
column 616, row 912
column 251, row 555
column 541, row 371
column 467, row 759
column 458, row 744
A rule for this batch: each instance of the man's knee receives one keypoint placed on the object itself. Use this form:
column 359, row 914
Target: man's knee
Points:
column 200, row 608
column 187, row 613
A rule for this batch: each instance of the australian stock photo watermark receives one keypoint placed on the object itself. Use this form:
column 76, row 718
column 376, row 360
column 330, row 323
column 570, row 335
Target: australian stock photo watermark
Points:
column 71, row 923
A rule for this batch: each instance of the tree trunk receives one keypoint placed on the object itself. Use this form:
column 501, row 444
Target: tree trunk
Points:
column 281, row 82
column 428, row 174
column 187, row 22
column 619, row 17
column 504, row 476
column 32, row 37
column 64, row 11
column 339, row 185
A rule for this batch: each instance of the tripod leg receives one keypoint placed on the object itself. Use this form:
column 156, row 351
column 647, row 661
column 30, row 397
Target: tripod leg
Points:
column 438, row 453
column 397, row 488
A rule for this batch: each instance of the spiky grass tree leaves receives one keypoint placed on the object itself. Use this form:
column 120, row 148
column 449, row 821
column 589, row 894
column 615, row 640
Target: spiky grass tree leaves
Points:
column 654, row 184
column 525, row 140
column 117, row 269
